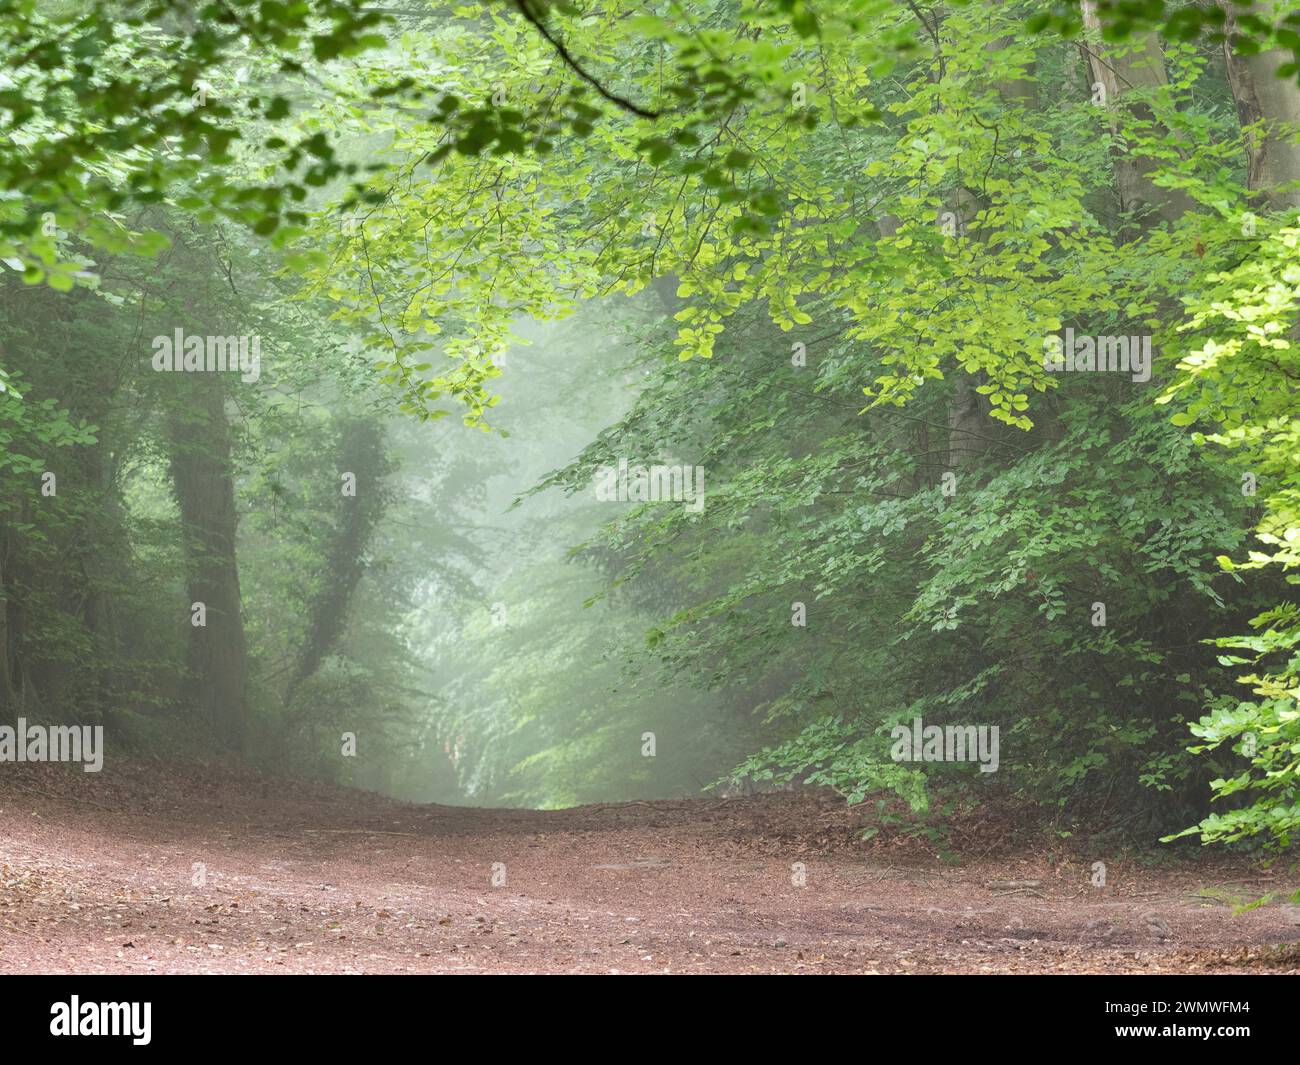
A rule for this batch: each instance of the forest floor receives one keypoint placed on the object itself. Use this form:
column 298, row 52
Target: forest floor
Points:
column 98, row 873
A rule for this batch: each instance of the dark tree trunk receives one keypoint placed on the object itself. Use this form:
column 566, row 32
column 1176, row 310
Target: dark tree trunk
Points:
column 361, row 452
column 8, row 697
column 217, row 657
column 1272, row 155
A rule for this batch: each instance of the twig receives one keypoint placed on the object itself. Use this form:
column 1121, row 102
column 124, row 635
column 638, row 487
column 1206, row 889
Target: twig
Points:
column 573, row 64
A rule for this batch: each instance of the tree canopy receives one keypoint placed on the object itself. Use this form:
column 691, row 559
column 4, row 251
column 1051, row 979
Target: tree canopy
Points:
column 832, row 255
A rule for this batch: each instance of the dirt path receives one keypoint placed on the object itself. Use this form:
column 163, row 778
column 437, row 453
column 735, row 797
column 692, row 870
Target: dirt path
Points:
column 97, row 875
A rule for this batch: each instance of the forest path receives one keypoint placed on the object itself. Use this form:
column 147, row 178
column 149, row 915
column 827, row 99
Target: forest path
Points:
column 97, row 875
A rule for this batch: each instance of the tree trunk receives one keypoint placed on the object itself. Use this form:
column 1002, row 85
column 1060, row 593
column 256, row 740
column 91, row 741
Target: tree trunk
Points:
column 8, row 697
column 361, row 452
column 217, row 658
column 1272, row 155
column 1134, row 64
column 969, row 424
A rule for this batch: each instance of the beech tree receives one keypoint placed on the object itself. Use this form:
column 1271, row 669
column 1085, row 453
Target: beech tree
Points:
column 851, row 236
